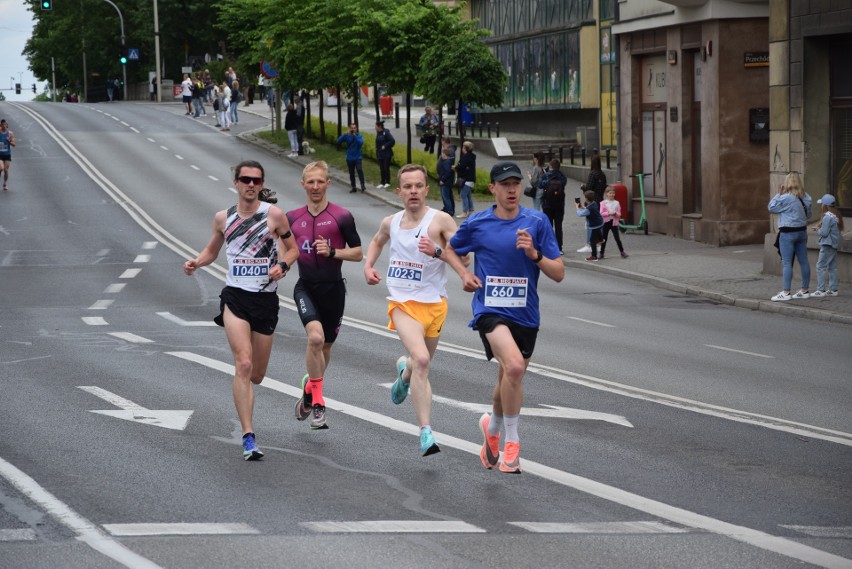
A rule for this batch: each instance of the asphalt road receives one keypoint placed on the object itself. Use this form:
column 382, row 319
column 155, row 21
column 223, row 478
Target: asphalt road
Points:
column 660, row 430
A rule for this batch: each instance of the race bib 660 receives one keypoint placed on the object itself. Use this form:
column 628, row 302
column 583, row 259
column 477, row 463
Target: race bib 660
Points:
column 506, row 291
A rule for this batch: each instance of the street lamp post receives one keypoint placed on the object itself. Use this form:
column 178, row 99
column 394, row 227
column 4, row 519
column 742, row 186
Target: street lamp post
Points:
column 123, row 49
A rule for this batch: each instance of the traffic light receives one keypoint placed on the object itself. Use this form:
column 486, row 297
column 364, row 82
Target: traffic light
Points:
column 34, row 88
column 17, row 88
column 122, row 57
column 47, row 4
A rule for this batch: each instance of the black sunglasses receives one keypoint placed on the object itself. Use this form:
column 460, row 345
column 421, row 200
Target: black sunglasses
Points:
column 249, row 179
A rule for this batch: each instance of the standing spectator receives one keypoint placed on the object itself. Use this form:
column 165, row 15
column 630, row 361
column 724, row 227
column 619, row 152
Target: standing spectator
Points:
column 154, row 88
column 230, row 77
column 198, row 96
column 829, row 230
column 261, row 86
column 186, row 93
column 447, row 142
column 534, row 176
column 446, row 177
column 513, row 245
column 597, row 179
column 236, row 97
column 290, row 120
column 300, row 121
column 224, row 100
column 594, row 222
column 384, row 153
column 429, row 127
column 353, row 140
column 110, row 88
column 466, row 172
column 209, row 84
column 793, row 207
column 611, row 214
column 7, row 141
column 553, row 198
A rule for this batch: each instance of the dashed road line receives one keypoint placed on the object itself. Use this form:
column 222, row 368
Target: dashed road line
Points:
column 619, row 528
column 95, row 321
column 130, row 273
column 739, row 351
column 130, row 337
column 392, row 526
column 101, row 305
column 157, row 529
column 114, row 288
column 142, row 258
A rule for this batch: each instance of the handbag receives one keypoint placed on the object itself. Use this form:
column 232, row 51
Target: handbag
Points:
column 777, row 243
column 529, row 191
column 422, row 140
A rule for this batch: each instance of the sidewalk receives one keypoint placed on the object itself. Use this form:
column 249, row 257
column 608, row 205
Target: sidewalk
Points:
column 727, row 275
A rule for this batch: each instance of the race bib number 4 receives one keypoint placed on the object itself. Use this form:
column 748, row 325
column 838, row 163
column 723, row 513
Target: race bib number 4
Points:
column 405, row 274
column 506, row 291
column 250, row 271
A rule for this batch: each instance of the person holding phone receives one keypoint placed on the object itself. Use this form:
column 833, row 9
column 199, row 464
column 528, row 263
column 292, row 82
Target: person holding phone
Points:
column 354, row 141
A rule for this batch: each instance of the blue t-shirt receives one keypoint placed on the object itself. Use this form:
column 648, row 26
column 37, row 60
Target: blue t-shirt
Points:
column 509, row 278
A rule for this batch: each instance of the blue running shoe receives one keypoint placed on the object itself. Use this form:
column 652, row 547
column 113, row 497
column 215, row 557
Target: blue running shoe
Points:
column 250, row 450
column 399, row 390
column 427, row 443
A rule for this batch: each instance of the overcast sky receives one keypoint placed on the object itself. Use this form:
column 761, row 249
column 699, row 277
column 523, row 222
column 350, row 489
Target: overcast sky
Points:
column 16, row 27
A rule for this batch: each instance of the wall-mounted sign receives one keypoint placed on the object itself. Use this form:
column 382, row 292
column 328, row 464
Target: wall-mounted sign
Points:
column 654, row 79
column 756, row 59
column 758, row 125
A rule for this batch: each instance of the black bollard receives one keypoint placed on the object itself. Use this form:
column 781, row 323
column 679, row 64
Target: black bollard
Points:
column 449, row 128
column 549, row 152
column 480, row 129
column 583, row 156
column 571, row 154
column 561, row 159
column 607, row 158
column 498, row 129
column 396, row 108
column 489, row 129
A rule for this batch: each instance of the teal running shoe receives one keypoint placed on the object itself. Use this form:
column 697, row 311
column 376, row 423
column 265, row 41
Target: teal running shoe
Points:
column 427, row 443
column 250, row 450
column 399, row 390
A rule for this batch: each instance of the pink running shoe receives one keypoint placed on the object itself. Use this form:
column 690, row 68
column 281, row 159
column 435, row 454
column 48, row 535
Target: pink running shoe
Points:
column 511, row 464
column 490, row 452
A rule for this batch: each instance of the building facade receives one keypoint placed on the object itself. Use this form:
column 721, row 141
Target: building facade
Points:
column 694, row 115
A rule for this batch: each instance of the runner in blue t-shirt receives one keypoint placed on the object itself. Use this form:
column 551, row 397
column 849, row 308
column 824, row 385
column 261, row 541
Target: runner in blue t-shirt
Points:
column 513, row 245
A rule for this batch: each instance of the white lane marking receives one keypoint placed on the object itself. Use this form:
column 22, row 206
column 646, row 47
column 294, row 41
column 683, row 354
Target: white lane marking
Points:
column 181, row 322
column 194, row 167
column 234, row 190
column 134, row 130
column 95, row 321
column 620, row 528
column 130, row 273
column 552, row 411
column 132, row 338
column 152, row 140
column 591, row 322
column 114, row 288
column 135, row 530
column 149, row 245
column 17, row 534
column 214, row 178
column 124, row 123
column 130, row 411
column 142, row 258
column 840, row 532
column 102, row 253
column 740, row 351
column 392, row 526
column 178, row 156
column 86, row 531
column 736, row 415
column 756, row 538
column 101, row 305
column 115, row 118
column 164, row 147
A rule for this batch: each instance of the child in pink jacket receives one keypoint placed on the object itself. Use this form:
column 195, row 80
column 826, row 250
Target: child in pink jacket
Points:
column 611, row 213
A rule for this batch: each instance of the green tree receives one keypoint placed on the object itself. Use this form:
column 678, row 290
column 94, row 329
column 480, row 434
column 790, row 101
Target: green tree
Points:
column 461, row 69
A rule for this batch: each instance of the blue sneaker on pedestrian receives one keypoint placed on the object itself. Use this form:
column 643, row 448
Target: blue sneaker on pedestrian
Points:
column 250, row 450
column 399, row 390
column 427, row 443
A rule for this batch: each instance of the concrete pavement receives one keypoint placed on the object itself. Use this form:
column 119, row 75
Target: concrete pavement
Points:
column 727, row 275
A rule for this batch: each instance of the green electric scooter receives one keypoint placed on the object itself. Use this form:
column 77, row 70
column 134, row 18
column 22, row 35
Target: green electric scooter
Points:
column 643, row 221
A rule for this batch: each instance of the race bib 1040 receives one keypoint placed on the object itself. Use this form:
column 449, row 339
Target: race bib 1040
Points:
column 506, row 291
column 250, row 271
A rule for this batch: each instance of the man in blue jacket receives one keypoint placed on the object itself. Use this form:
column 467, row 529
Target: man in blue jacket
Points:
column 353, row 141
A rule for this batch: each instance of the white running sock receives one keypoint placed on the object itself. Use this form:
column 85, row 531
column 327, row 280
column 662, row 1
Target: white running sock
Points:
column 495, row 423
column 511, row 424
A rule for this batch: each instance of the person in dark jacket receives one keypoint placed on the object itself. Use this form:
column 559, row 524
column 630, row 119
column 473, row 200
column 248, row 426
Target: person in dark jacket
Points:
column 446, row 177
column 466, row 171
column 594, row 222
column 553, row 198
column 384, row 153
column 597, row 179
column 291, row 123
column 353, row 140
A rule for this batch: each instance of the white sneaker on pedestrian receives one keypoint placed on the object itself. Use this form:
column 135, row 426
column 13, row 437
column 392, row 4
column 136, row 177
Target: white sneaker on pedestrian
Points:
column 801, row 295
column 781, row 296
column 586, row 249
column 831, row 293
column 818, row 294
column 379, row 186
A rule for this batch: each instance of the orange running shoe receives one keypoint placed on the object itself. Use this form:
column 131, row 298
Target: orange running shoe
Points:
column 490, row 452
column 511, row 463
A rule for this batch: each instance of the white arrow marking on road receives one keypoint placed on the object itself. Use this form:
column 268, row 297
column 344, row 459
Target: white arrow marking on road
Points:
column 168, row 419
column 181, row 322
column 551, row 411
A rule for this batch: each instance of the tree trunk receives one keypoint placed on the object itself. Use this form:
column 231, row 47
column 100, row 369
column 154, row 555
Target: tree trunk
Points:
column 339, row 113
column 322, row 115
column 408, row 123
column 376, row 101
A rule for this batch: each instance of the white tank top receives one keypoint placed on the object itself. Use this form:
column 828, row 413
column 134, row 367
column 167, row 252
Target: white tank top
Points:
column 411, row 274
column 252, row 250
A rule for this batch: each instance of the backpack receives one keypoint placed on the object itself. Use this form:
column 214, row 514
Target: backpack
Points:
column 554, row 190
column 216, row 104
